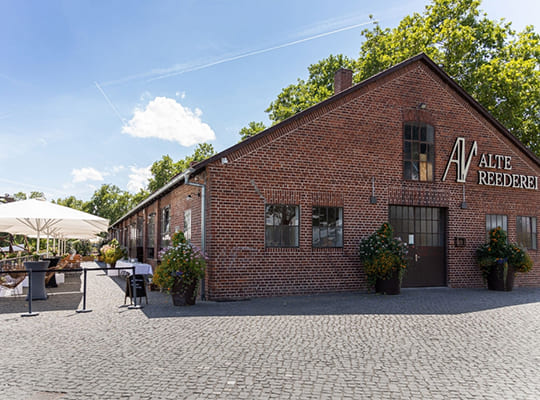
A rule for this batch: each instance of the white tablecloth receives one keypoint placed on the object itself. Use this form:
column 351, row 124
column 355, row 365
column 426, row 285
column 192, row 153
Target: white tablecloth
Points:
column 140, row 268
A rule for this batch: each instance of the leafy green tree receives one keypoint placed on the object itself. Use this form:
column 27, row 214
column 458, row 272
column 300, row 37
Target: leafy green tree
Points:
column 497, row 66
column 165, row 169
column 319, row 86
column 139, row 197
column 37, row 195
column 20, row 196
column 252, row 129
column 110, row 202
column 71, row 202
column 162, row 172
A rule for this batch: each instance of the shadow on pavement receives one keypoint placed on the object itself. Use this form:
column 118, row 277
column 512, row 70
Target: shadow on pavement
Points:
column 66, row 296
column 426, row 301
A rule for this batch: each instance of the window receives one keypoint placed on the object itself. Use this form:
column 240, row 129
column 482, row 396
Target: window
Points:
column 526, row 232
column 140, row 222
column 132, row 237
column 421, row 226
column 187, row 224
column 327, row 225
column 281, row 226
column 151, row 235
column 165, row 227
column 418, row 152
column 495, row 220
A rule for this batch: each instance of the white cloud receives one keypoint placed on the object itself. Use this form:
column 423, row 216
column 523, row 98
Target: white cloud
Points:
column 86, row 174
column 166, row 119
column 182, row 95
column 138, row 179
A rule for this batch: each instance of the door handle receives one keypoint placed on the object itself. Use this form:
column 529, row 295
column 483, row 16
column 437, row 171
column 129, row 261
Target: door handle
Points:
column 416, row 258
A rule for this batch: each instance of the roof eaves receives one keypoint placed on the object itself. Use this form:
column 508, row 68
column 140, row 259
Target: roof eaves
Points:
column 176, row 181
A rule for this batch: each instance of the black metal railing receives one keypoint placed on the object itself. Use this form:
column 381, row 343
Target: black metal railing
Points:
column 83, row 270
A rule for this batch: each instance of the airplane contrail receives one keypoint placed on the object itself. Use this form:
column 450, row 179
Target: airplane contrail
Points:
column 222, row 61
column 156, row 75
column 111, row 104
column 256, row 52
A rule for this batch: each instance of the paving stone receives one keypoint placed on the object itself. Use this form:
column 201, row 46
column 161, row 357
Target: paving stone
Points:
column 424, row 343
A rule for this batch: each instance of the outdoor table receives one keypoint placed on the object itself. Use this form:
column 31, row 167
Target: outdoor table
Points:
column 124, row 266
column 38, row 279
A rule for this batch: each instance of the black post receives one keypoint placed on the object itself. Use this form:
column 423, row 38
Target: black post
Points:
column 84, row 310
column 29, row 313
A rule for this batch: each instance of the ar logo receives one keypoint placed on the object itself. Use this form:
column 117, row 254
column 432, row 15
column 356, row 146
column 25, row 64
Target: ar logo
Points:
column 458, row 158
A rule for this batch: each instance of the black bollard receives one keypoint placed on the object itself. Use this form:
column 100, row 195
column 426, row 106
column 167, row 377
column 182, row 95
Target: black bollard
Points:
column 84, row 310
column 29, row 313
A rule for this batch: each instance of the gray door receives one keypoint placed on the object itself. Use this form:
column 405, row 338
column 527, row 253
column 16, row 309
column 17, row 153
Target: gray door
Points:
column 423, row 229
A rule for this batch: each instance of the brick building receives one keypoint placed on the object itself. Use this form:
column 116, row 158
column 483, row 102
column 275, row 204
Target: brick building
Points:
column 283, row 212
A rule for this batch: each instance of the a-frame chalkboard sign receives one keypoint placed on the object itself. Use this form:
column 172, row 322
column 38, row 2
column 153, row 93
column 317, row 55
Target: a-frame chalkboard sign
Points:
column 140, row 288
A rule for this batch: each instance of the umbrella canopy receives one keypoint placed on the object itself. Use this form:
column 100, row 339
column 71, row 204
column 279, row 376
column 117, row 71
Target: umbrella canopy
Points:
column 39, row 217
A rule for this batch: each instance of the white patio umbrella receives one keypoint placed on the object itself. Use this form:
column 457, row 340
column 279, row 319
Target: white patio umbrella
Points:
column 39, row 217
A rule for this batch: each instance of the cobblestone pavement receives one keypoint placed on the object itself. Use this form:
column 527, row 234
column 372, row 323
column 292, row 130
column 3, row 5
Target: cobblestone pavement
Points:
column 423, row 344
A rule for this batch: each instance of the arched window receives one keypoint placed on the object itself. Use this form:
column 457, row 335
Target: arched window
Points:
column 418, row 151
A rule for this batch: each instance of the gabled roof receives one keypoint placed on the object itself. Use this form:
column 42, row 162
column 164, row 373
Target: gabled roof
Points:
column 312, row 111
column 422, row 57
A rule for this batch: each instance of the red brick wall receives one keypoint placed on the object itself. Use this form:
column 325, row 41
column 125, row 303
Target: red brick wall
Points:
column 178, row 201
column 330, row 160
column 328, row 157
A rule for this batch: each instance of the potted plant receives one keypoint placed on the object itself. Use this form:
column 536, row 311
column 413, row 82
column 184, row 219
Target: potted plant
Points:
column 385, row 260
column 499, row 261
column 112, row 252
column 182, row 267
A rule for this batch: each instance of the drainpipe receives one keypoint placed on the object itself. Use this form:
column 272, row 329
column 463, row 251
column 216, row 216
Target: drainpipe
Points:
column 203, row 220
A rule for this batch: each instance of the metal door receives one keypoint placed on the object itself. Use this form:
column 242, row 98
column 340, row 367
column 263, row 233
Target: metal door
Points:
column 423, row 228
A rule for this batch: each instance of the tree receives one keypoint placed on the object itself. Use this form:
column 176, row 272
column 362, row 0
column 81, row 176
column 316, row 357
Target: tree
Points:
column 37, row 195
column 252, row 129
column 304, row 94
column 162, row 172
column 109, row 202
column 165, row 169
column 20, row 196
column 71, row 202
column 139, row 197
column 497, row 66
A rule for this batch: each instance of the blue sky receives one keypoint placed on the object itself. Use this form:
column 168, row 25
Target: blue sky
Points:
column 94, row 92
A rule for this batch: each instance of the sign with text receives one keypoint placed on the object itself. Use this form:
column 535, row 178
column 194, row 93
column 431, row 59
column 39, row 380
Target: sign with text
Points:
column 494, row 168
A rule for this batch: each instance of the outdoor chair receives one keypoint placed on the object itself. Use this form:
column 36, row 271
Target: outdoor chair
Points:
column 49, row 275
column 12, row 281
column 72, row 261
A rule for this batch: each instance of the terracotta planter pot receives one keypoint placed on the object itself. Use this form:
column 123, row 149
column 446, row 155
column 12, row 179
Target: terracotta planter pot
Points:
column 497, row 281
column 388, row 286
